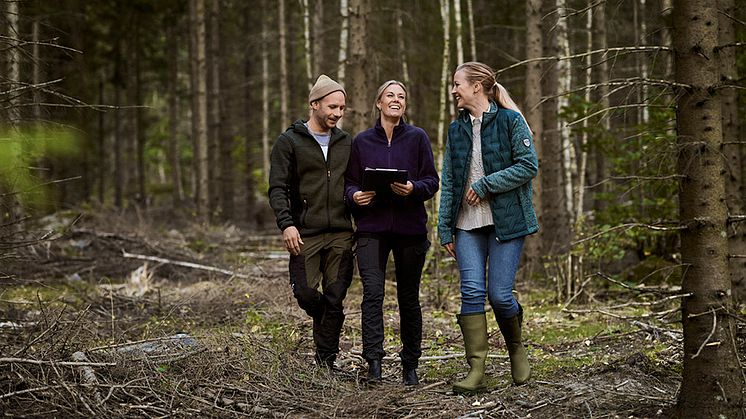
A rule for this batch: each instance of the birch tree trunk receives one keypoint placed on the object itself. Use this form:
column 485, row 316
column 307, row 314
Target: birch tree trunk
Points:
column 472, row 37
column 172, row 43
column 565, row 86
column 580, row 194
column 712, row 378
column 445, row 14
column 459, row 37
column 532, row 111
column 199, row 106
column 732, row 149
column 403, row 53
column 307, row 42
column 344, row 12
column 357, row 105
column 284, row 117
column 443, row 119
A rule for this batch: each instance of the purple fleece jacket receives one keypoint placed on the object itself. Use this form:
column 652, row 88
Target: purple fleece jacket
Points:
column 410, row 149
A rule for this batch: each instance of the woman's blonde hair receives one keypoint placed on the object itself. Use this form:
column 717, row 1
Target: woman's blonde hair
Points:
column 379, row 94
column 476, row 72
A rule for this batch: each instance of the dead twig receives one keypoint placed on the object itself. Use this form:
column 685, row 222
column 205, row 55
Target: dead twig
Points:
column 185, row 264
column 712, row 332
column 61, row 363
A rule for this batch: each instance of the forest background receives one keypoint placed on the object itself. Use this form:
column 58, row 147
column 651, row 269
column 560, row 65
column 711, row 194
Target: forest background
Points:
column 168, row 109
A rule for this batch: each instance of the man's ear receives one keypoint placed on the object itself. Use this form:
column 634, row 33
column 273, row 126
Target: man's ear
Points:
column 315, row 105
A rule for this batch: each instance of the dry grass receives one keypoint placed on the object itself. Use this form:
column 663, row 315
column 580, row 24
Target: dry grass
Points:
column 250, row 353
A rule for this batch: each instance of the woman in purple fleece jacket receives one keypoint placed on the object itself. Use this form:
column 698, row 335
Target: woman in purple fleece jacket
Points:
column 394, row 221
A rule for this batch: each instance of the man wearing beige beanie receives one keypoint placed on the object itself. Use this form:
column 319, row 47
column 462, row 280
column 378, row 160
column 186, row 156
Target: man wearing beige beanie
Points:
column 306, row 189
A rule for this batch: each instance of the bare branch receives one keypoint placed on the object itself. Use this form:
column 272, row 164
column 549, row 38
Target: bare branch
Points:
column 629, row 226
column 712, row 332
column 617, row 51
column 185, row 264
column 62, row 363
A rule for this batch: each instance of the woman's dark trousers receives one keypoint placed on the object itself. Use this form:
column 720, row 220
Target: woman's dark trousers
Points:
column 409, row 258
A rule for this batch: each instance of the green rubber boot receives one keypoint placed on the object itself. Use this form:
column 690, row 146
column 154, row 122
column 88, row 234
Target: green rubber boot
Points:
column 474, row 329
column 511, row 330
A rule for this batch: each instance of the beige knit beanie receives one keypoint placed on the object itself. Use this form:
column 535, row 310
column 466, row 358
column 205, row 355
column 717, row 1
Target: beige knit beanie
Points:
column 324, row 86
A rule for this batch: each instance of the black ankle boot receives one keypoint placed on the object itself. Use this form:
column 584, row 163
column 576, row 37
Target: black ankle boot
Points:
column 374, row 370
column 410, row 376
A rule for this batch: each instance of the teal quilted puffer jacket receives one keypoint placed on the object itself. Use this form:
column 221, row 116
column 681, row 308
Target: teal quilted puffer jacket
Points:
column 510, row 162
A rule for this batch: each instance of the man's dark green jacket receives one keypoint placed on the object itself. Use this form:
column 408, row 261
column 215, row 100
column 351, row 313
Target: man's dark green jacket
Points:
column 306, row 190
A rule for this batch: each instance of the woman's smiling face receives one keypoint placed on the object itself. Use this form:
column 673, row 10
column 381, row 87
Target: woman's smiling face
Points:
column 393, row 102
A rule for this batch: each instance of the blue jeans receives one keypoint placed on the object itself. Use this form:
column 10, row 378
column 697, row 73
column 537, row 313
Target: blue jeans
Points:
column 488, row 269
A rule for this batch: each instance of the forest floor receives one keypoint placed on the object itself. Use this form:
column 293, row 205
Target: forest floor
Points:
column 89, row 329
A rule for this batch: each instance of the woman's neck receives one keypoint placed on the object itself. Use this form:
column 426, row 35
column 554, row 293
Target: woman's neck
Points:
column 482, row 106
column 388, row 125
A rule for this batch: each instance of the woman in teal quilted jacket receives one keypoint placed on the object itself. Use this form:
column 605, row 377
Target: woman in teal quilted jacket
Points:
column 486, row 212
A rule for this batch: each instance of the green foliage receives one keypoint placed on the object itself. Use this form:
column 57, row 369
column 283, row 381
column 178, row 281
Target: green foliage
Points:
column 22, row 152
column 649, row 196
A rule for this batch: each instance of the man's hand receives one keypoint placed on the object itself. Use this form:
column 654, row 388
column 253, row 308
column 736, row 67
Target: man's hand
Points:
column 363, row 198
column 450, row 249
column 402, row 189
column 292, row 240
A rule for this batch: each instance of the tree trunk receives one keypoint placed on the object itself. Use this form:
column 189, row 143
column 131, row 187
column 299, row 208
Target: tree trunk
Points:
column 139, row 124
column 601, row 78
column 358, row 92
column 117, row 81
column 214, row 152
column 565, row 86
column 199, row 106
column 472, row 37
column 307, row 42
column 265, row 98
column 317, row 35
column 344, row 12
column 712, row 378
column 532, row 111
column 445, row 76
column 284, row 117
column 403, row 53
column 459, row 37
column 734, row 188
column 556, row 220
column 14, row 63
column 177, row 194
column 101, row 137
column 223, row 130
column 36, row 71
column 250, row 161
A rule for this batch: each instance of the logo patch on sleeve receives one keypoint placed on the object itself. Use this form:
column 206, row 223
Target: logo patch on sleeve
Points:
column 526, row 142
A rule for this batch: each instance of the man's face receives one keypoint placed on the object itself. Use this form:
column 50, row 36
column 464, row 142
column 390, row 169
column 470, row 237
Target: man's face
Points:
column 329, row 110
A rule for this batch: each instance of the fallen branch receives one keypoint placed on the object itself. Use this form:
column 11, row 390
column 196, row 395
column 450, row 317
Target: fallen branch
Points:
column 89, row 376
column 62, row 363
column 185, row 264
